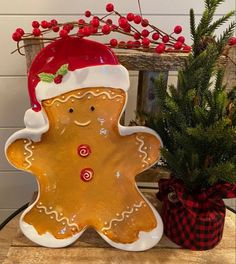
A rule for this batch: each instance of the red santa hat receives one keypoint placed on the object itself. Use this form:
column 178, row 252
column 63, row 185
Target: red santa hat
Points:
column 70, row 64
column 66, row 65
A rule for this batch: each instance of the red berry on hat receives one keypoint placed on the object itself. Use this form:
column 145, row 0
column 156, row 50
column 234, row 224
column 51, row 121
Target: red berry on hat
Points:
column 155, row 36
column 95, row 22
column 87, row 13
column 55, row 29
column 187, row 48
column 71, row 26
column 146, row 42
column 35, row 24
column 130, row 44
column 16, row 36
column 106, row 29
column 44, row 24
column 122, row 44
column 110, row 7
column 93, row 30
column 130, row 16
column 58, row 79
column 109, row 21
column 49, row 25
column 145, row 22
column 81, row 21
column 137, row 44
column 113, row 42
column 178, row 29
column 137, row 36
column 232, row 41
column 21, row 31
column 80, row 32
column 54, row 22
column 36, row 32
column 114, row 27
column 63, row 33
column 127, row 28
column 181, row 39
column 87, row 31
column 123, row 22
column 165, row 38
column 160, row 48
column 137, row 19
column 145, row 33
column 66, row 27
column 178, row 45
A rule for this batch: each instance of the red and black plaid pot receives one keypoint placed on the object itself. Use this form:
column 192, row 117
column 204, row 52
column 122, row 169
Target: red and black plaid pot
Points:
column 194, row 221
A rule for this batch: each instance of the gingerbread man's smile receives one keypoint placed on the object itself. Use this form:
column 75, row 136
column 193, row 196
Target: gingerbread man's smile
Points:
column 82, row 124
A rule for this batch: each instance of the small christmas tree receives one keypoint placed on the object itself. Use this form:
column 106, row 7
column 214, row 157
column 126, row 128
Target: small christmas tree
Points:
column 197, row 119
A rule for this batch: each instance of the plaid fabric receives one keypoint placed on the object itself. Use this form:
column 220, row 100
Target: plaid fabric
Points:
column 194, row 221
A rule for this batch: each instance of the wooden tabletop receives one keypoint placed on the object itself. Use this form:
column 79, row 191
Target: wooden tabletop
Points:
column 90, row 248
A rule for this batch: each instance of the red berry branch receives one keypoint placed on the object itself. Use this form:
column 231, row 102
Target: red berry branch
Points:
column 143, row 35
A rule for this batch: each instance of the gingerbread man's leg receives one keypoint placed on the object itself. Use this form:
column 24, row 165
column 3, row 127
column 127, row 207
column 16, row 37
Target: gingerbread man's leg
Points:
column 41, row 224
column 130, row 231
column 46, row 227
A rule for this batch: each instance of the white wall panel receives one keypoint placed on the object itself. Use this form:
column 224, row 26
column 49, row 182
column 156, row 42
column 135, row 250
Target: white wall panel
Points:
column 98, row 6
column 5, row 133
column 16, row 188
column 14, row 101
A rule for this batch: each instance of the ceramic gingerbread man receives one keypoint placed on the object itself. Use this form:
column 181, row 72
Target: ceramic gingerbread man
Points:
column 84, row 161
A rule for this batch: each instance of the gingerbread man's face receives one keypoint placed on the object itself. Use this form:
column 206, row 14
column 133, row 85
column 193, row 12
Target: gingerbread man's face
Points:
column 94, row 110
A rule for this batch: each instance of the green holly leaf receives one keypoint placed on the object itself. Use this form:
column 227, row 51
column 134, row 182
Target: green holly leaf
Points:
column 46, row 77
column 62, row 70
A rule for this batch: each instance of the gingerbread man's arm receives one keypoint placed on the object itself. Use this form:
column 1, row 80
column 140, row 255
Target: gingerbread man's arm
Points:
column 19, row 154
column 147, row 146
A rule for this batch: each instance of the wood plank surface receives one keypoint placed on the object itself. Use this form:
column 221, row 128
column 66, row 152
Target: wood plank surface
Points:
column 91, row 248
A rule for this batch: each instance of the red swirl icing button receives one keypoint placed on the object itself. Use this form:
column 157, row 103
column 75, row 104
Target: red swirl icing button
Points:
column 86, row 174
column 84, row 150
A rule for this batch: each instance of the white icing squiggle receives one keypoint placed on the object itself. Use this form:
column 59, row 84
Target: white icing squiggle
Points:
column 30, row 154
column 57, row 218
column 142, row 151
column 124, row 213
column 83, row 95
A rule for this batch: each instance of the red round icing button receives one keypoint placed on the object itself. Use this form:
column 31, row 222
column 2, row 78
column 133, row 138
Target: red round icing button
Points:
column 86, row 174
column 84, row 150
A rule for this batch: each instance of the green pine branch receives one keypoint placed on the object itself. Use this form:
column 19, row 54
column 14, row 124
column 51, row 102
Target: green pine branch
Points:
column 197, row 119
column 220, row 22
column 225, row 36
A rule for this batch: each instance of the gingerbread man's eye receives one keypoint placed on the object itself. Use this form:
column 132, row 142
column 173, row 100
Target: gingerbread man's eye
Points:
column 92, row 108
column 71, row 110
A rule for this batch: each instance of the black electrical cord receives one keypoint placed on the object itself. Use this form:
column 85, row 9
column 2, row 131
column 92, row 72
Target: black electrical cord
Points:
column 231, row 209
column 10, row 217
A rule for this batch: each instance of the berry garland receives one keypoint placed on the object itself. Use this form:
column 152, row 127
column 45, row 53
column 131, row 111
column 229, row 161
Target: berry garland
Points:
column 147, row 38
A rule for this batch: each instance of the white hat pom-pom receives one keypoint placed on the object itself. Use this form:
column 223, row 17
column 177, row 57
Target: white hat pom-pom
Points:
column 36, row 124
column 35, row 120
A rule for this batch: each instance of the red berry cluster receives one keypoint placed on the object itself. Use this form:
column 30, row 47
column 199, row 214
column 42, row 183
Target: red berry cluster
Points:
column 143, row 35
